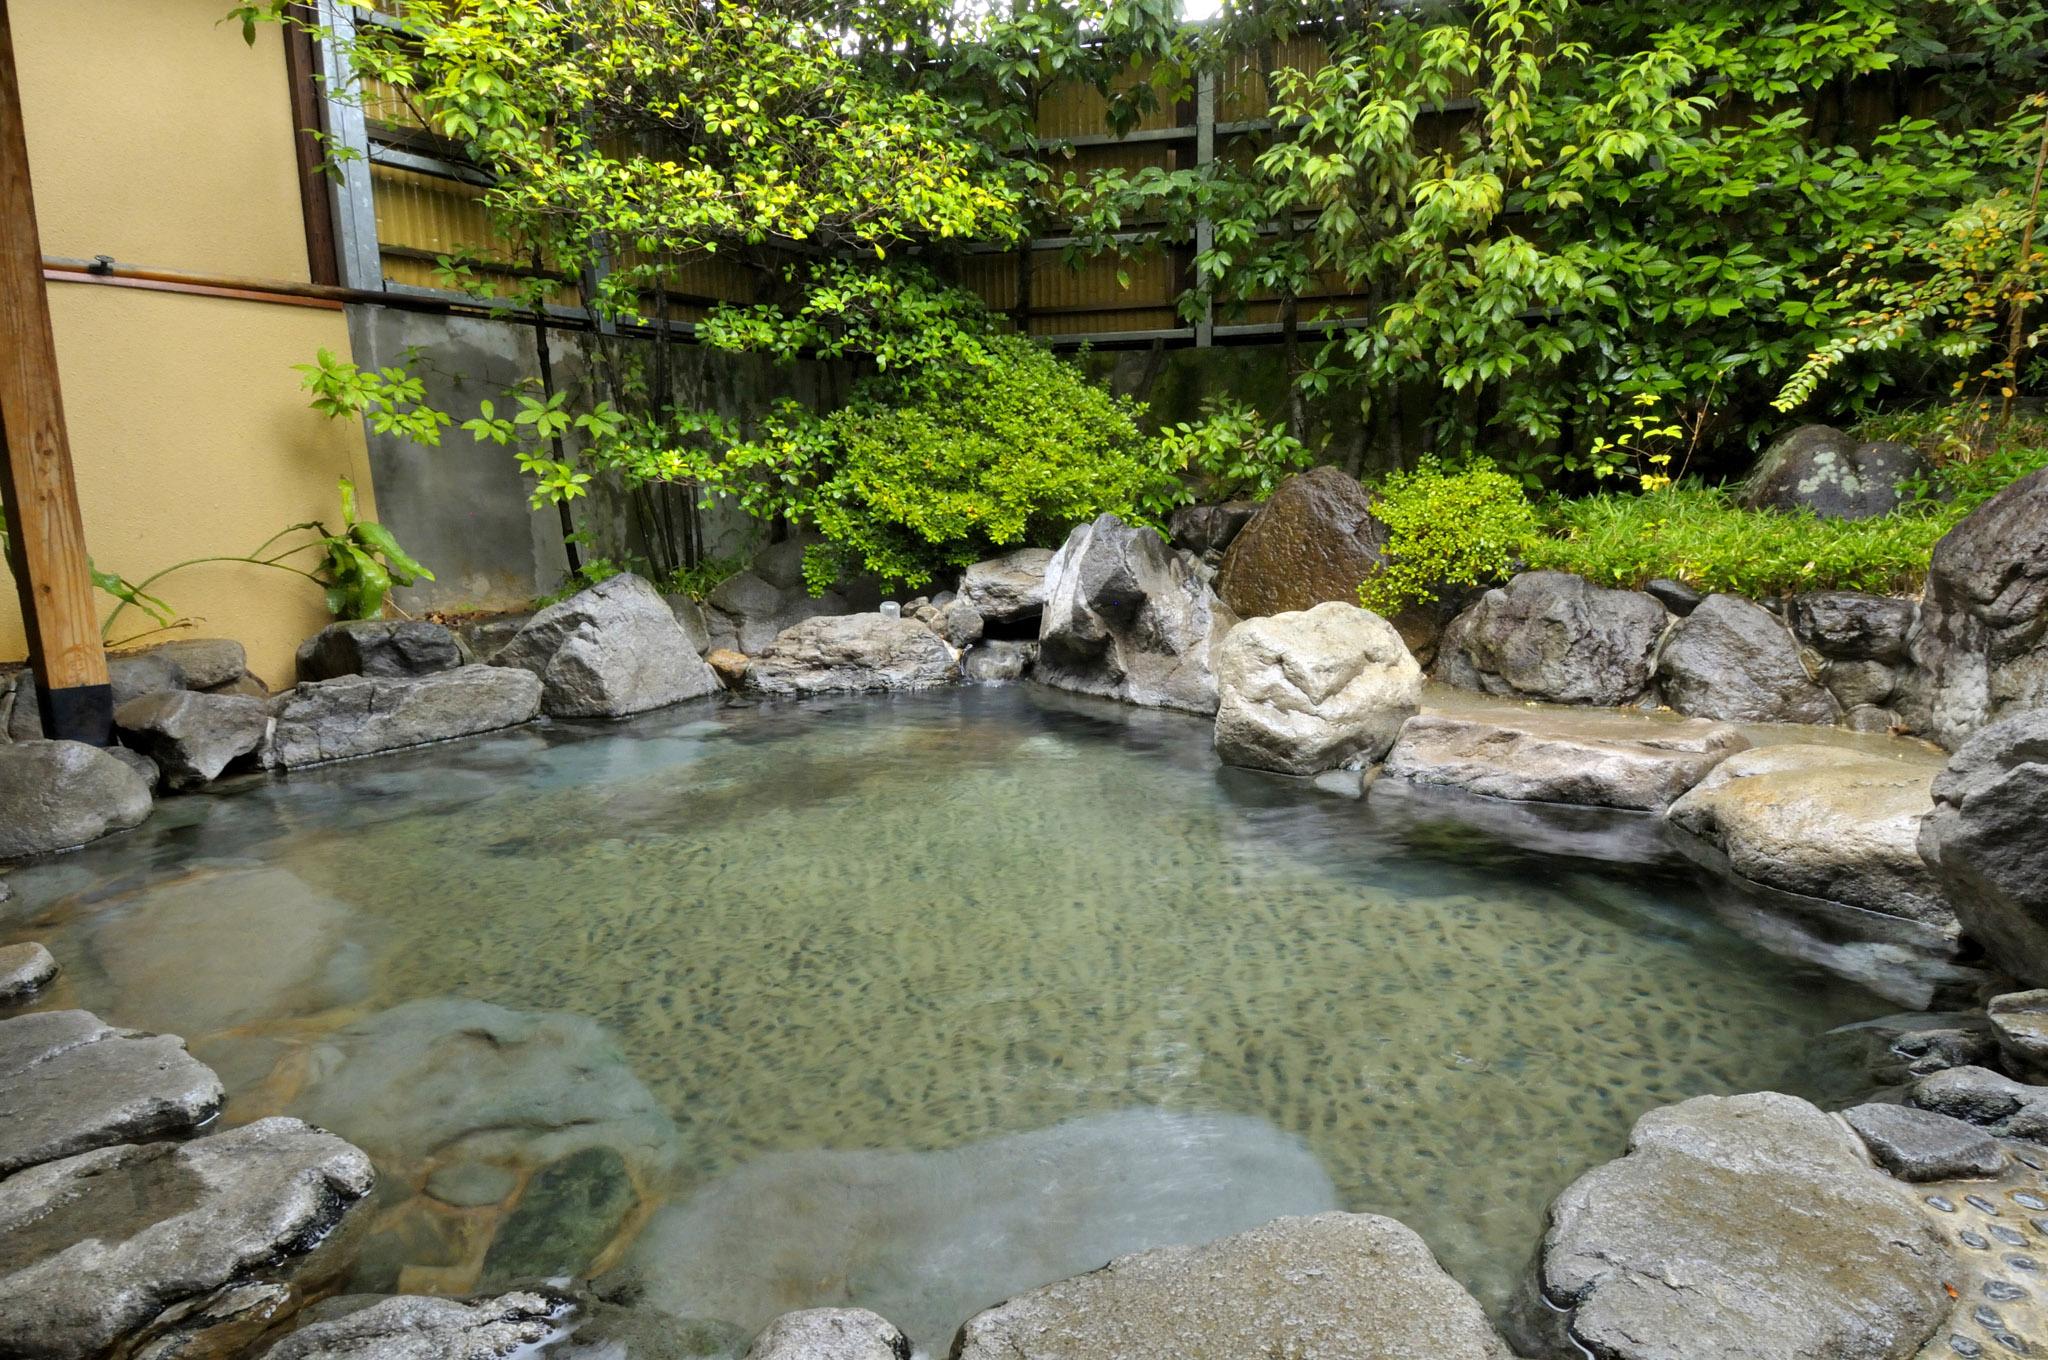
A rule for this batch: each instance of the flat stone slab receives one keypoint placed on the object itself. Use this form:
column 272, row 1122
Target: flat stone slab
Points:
column 1823, row 821
column 25, row 969
column 1737, row 1228
column 1331, row 1287
column 1593, row 759
column 69, row 1082
column 122, row 1243
column 1920, row 1145
column 360, row 715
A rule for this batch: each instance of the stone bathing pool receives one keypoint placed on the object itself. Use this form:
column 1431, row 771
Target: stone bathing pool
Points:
column 911, row 1003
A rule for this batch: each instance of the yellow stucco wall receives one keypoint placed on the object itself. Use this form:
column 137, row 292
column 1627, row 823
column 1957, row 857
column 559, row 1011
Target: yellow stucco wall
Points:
column 159, row 138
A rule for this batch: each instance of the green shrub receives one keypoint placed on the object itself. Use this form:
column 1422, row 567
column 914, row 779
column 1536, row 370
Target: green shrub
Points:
column 959, row 461
column 1698, row 535
column 1231, row 453
column 1462, row 526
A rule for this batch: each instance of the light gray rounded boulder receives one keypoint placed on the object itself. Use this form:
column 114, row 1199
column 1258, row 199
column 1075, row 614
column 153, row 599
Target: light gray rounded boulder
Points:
column 1736, row 1228
column 1732, row 659
column 609, row 652
column 1333, row 1286
column 1313, row 689
column 1009, row 588
column 57, row 795
column 1553, row 636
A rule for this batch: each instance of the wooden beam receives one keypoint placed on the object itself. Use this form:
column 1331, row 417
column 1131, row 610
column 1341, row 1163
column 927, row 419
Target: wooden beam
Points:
column 46, row 548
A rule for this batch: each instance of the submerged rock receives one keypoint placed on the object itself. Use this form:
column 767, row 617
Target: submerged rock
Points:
column 1737, row 1227
column 69, row 1083
column 25, row 969
column 1822, row 821
column 360, row 715
column 1980, row 646
column 928, row 1238
column 609, row 652
column 1984, row 841
column 1331, row 1287
column 1314, row 540
column 56, row 795
column 1612, row 760
column 1734, row 660
column 1553, row 636
column 852, row 653
column 1007, row 589
column 1920, row 1145
column 193, row 737
column 1127, row 618
column 1817, row 468
column 379, row 647
column 830, row 1334
column 1315, row 690
column 118, row 1246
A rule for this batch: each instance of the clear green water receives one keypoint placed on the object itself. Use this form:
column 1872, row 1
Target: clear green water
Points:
column 852, row 948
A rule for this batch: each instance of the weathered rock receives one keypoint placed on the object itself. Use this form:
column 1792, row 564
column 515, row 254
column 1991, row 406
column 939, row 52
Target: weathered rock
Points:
column 413, row 1328
column 746, row 612
column 1823, row 470
column 1736, row 1228
column 1331, row 1287
column 1845, row 625
column 1313, row 690
column 1314, row 540
column 1614, row 760
column 1991, row 1101
column 379, row 647
column 1009, row 588
column 140, row 673
column 608, row 652
column 147, row 770
column 25, row 969
column 1553, row 636
column 204, row 663
column 1860, row 684
column 729, row 666
column 851, row 653
column 1676, row 596
column 485, row 637
column 1920, row 1145
column 2019, row 1022
column 360, row 715
column 55, row 795
column 70, row 1083
column 1980, row 644
column 1823, row 821
column 830, row 1334
column 1866, row 718
column 998, row 662
column 1207, row 531
column 1734, row 660
column 1127, row 618
column 106, row 1247
column 956, row 621
column 193, row 737
column 1894, row 1050
column 571, row 1210
column 1984, row 841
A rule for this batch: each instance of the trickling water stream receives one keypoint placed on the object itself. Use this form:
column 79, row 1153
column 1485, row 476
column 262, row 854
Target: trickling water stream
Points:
column 928, row 999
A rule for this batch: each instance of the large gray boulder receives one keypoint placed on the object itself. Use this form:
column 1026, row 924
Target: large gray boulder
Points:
column 1614, row 760
column 1736, row 1228
column 378, row 647
column 608, row 652
column 192, row 737
column 1823, row 821
column 1553, row 636
column 1985, row 844
column 1980, row 646
column 117, row 1247
column 360, row 715
column 1331, row 1287
column 853, row 653
column 830, row 1334
column 70, row 1082
column 1847, row 625
column 1314, row 690
column 1732, row 659
column 1007, row 589
column 1128, row 618
column 1817, row 468
column 56, row 795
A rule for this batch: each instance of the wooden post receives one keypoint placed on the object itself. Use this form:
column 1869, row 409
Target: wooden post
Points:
column 46, row 549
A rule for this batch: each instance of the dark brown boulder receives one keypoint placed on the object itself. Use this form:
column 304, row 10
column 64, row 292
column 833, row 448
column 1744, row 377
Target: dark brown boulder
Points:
column 1313, row 541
